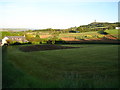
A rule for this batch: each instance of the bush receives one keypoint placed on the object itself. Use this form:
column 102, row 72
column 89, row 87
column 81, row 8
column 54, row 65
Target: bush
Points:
column 28, row 43
column 59, row 42
column 16, row 43
column 35, row 42
column 80, row 37
column 102, row 32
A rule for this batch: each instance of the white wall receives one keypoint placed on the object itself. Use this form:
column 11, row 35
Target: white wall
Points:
column 4, row 40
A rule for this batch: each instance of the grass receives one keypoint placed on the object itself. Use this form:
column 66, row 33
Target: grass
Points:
column 114, row 33
column 92, row 66
column 83, row 35
column 91, row 35
column 78, row 34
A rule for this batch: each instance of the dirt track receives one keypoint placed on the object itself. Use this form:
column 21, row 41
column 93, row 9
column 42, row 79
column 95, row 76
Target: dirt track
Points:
column 43, row 47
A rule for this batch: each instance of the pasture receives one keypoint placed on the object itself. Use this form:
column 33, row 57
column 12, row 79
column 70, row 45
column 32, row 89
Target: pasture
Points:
column 90, row 66
column 114, row 33
column 92, row 35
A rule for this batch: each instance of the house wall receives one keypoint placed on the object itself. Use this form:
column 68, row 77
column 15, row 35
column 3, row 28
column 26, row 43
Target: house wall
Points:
column 4, row 41
column 17, row 39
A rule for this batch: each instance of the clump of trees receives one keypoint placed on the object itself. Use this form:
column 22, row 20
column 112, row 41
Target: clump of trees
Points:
column 11, row 33
column 102, row 32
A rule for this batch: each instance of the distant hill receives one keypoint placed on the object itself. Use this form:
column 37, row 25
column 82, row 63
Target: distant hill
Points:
column 102, row 24
column 13, row 29
column 96, row 26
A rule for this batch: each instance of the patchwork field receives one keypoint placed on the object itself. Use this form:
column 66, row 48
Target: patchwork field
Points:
column 91, row 66
column 94, row 35
column 114, row 33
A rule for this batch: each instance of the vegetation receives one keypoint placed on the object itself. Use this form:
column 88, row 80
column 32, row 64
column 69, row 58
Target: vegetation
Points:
column 102, row 32
column 96, row 26
column 91, row 66
column 114, row 33
column 90, row 31
column 11, row 33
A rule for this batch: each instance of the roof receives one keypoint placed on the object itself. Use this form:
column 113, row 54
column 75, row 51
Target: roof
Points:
column 15, row 36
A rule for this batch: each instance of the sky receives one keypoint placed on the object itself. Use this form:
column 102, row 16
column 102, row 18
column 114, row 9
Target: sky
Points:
column 57, row 14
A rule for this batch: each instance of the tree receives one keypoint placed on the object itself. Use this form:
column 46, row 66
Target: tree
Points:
column 102, row 32
column 37, row 36
column 54, row 36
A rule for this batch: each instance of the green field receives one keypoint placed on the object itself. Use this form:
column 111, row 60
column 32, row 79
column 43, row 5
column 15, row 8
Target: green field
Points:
column 91, row 34
column 114, row 33
column 91, row 66
column 79, row 34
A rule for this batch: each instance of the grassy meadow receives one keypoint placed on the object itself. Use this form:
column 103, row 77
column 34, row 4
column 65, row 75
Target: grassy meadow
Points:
column 91, row 66
column 91, row 34
column 114, row 33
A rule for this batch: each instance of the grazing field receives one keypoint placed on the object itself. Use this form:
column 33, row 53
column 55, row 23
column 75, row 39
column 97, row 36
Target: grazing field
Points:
column 79, row 34
column 91, row 66
column 93, row 35
column 114, row 33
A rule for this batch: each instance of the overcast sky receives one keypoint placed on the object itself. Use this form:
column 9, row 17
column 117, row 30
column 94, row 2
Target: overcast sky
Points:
column 56, row 13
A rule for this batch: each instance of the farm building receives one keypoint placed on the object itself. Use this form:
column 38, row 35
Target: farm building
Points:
column 13, row 38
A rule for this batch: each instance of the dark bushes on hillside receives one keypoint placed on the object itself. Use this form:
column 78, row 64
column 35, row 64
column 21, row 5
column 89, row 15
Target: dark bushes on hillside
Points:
column 102, row 32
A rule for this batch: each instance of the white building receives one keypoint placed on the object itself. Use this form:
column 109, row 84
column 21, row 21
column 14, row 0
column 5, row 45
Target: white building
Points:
column 13, row 38
column 4, row 41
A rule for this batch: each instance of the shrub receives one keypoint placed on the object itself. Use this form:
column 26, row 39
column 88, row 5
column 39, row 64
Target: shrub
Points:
column 35, row 42
column 16, row 43
column 102, row 32
column 28, row 43
column 37, row 36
